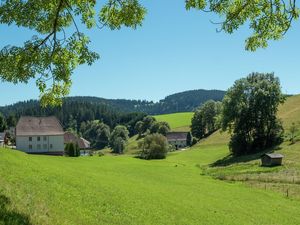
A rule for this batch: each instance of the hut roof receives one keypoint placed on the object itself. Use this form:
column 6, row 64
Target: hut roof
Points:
column 72, row 138
column 274, row 155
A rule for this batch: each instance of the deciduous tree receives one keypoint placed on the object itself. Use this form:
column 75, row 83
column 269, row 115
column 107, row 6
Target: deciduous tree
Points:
column 204, row 121
column 118, row 139
column 249, row 113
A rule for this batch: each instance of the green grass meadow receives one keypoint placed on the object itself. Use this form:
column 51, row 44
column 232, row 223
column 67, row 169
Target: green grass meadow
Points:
column 177, row 121
column 186, row 188
column 125, row 190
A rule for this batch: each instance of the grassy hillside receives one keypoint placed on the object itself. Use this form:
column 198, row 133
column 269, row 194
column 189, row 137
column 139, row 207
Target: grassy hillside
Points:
column 177, row 190
column 124, row 190
column 285, row 179
column 289, row 112
column 177, row 121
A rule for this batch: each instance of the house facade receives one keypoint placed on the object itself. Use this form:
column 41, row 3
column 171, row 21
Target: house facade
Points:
column 178, row 139
column 42, row 135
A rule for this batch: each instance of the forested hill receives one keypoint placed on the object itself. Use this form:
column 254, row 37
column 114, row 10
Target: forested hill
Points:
column 181, row 102
column 187, row 101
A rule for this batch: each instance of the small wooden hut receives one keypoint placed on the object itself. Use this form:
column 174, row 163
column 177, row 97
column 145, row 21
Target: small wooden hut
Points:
column 271, row 159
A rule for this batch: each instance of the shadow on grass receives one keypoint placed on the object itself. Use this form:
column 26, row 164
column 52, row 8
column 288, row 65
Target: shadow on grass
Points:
column 230, row 159
column 11, row 217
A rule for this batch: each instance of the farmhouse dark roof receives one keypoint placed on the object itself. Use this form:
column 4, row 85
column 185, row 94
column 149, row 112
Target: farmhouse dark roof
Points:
column 83, row 143
column 71, row 138
column 274, row 156
column 177, row 136
column 34, row 126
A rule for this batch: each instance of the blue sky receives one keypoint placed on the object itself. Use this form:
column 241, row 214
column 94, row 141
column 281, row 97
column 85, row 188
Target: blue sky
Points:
column 173, row 51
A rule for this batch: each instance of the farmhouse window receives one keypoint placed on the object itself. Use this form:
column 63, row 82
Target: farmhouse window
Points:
column 30, row 138
column 38, row 138
column 45, row 138
column 30, row 146
column 51, row 146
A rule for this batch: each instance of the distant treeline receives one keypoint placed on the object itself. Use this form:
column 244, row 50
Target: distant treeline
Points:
column 112, row 112
column 99, row 107
column 73, row 112
column 181, row 102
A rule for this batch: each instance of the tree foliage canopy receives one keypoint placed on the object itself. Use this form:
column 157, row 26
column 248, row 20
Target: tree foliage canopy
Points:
column 205, row 119
column 268, row 19
column 249, row 112
column 118, row 139
column 97, row 132
column 154, row 146
column 53, row 53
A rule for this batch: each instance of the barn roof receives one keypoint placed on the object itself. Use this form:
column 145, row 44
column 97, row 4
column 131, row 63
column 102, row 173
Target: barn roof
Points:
column 72, row 138
column 274, row 155
column 177, row 136
column 35, row 126
column 84, row 144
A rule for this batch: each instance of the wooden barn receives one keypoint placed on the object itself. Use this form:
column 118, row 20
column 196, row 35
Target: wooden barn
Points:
column 271, row 159
column 178, row 139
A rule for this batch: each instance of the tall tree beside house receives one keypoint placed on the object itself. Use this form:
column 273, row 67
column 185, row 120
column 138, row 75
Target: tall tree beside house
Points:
column 3, row 124
column 204, row 121
column 146, row 125
column 11, row 120
column 148, row 121
column 197, row 125
column 160, row 127
column 249, row 113
column 118, row 139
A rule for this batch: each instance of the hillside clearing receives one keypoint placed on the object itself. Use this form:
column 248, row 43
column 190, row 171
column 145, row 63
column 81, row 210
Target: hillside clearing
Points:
column 177, row 121
column 178, row 190
column 124, row 190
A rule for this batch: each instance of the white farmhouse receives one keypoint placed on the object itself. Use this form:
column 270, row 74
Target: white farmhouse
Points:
column 178, row 139
column 40, row 135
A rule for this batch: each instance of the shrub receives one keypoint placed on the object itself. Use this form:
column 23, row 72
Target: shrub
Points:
column 154, row 146
column 100, row 154
column 72, row 150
